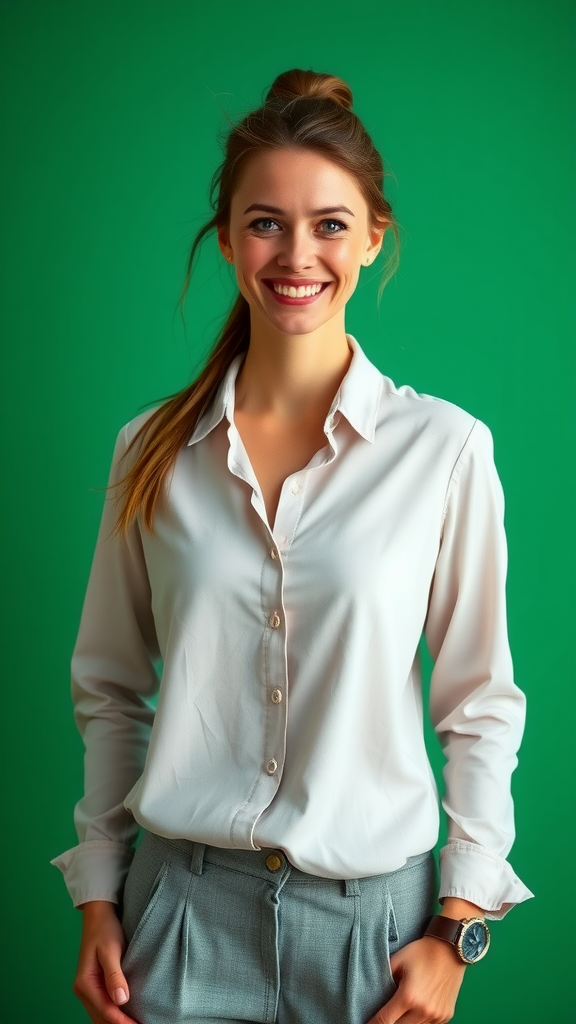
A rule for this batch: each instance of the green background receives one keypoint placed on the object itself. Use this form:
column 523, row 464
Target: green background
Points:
column 112, row 110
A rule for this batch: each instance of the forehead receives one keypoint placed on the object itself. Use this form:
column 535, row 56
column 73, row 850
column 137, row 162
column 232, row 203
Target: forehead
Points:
column 296, row 179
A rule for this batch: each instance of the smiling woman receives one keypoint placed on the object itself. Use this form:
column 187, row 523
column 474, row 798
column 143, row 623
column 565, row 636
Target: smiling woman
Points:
column 275, row 258
column 307, row 119
column 296, row 273
column 289, row 526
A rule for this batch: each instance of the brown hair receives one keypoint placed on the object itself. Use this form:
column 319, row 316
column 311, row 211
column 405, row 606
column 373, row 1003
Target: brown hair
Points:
column 303, row 109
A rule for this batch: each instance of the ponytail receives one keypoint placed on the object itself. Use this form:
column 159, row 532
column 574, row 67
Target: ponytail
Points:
column 168, row 429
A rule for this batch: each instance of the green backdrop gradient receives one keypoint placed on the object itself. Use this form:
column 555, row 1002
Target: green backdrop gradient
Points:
column 112, row 110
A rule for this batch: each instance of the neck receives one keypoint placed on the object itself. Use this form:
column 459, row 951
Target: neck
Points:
column 293, row 376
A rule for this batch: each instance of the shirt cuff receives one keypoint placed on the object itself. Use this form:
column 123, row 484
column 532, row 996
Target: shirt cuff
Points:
column 95, row 870
column 471, row 872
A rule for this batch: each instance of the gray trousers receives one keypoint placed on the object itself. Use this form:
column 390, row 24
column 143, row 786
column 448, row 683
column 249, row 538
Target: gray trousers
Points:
column 239, row 935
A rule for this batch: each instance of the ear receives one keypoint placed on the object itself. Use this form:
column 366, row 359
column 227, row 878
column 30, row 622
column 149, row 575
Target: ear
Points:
column 224, row 243
column 374, row 241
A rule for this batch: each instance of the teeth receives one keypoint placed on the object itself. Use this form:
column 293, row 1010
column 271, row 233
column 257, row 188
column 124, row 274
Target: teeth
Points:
column 303, row 291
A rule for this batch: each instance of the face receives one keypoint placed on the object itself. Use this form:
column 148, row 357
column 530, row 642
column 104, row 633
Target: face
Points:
column 299, row 233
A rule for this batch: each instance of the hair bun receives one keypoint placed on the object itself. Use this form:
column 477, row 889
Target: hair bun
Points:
column 296, row 84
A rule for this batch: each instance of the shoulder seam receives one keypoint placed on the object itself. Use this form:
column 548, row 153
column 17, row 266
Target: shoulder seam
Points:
column 453, row 480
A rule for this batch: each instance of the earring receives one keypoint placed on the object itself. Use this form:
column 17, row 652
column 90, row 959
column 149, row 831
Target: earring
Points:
column 230, row 259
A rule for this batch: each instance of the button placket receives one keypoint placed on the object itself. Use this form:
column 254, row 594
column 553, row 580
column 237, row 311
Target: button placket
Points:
column 289, row 510
column 287, row 515
column 274, row 690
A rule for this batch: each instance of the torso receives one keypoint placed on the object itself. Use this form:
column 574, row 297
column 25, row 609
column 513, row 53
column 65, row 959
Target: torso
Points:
column 276, row 450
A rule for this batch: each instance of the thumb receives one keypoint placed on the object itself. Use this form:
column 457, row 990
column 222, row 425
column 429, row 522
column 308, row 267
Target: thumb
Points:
column 115, row 981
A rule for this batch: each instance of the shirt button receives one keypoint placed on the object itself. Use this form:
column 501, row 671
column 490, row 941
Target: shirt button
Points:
column 276, row 696
column 273, row 553
column 273, row 862
column 271, row 766
column 274, row 620
column 295, row 489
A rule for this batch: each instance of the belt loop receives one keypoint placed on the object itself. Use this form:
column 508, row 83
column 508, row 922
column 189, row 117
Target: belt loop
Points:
column 352, row 886
column 197, row 858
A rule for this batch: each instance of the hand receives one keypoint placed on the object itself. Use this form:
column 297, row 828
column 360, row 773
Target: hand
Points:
column 99, row 983
column 429, row 975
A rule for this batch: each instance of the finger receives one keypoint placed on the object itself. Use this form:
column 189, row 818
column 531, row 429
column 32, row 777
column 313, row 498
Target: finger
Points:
column 115, row 981
column 91, row 989
column 109, row 1015
column 410, row 1017
column 392, row 1012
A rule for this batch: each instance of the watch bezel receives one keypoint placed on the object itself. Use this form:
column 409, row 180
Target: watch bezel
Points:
column 466, row 924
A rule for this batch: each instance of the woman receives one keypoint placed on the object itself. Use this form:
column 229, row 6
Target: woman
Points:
column 290, row 525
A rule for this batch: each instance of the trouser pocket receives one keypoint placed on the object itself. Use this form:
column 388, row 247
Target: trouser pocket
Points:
column 142, row 894
column 153, row 910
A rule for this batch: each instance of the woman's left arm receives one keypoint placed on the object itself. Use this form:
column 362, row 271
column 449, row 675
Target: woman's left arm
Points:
column 478, row 714
column 476, row 708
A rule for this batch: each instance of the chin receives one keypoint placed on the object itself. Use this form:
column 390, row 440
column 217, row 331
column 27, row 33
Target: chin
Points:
column 298, row 325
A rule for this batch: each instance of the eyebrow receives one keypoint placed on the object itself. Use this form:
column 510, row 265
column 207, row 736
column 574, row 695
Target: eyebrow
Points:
column 313, row 213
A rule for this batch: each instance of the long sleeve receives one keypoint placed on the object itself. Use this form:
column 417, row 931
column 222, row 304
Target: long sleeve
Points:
column 475, row 706
column 113, row 678
column 290, row 710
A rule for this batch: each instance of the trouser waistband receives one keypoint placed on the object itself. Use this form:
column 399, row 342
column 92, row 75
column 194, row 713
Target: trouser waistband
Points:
column 270, row 863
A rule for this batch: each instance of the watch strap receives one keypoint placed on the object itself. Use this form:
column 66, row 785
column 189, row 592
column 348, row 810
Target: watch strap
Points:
column 444, row 928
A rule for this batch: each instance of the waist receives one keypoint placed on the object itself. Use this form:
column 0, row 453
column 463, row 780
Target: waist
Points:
column 273, row 864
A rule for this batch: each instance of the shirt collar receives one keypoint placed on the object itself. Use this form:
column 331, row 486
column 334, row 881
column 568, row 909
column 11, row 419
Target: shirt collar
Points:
column 357, row 398
column 222, row 405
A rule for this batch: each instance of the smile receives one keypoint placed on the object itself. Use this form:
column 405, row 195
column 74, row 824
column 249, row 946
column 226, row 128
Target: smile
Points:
column 298, row 294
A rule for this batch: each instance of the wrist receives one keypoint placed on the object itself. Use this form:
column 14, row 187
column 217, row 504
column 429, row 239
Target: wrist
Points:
column 97, row 908
column 468, row 936
column 459, row 909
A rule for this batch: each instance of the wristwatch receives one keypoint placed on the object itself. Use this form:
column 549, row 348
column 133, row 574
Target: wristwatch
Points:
column 470, row 936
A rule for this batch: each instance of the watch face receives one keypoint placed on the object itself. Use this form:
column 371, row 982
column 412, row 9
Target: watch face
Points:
column 474, row 941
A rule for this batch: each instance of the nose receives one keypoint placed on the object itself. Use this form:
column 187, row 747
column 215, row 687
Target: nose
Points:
column 298, row 250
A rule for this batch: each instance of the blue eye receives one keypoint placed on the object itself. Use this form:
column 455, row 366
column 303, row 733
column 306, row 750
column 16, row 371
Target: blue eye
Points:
column 335, row 226
column 263, row 224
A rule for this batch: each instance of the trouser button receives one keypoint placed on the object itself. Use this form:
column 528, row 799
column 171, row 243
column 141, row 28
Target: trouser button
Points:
column 273, row 862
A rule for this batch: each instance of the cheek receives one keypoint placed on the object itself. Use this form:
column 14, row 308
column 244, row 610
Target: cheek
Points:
column 346, row 265
column 347, row 255
column 255, row 253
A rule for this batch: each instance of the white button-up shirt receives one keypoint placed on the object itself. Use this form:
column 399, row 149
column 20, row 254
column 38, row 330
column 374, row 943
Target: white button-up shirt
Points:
column 290, row 709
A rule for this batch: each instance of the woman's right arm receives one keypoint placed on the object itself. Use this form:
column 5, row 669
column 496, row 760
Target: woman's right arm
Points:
column 113, row 678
